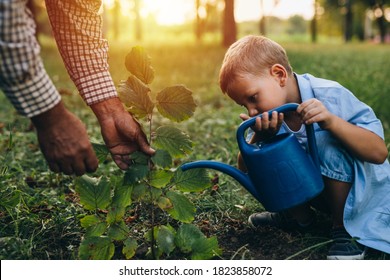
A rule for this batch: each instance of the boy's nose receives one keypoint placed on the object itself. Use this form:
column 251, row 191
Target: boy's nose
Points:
column 253, row 112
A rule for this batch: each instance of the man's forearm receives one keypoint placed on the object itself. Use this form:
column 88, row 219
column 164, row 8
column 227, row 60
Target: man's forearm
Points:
column 77, row 28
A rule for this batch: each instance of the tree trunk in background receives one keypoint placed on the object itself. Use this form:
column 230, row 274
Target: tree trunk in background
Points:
column 262, row 19
column 313, row 24
column 229, row 24
column 198, row 27
column 348, row 21
column 115, row 18
column 137, row 23
column 382, row 23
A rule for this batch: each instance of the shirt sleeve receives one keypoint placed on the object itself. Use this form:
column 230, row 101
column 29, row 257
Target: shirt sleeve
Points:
column 343, row 103
column 23, row 78
column 77, row 28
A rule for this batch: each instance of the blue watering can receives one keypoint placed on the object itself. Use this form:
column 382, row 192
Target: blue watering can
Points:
column 281, row 174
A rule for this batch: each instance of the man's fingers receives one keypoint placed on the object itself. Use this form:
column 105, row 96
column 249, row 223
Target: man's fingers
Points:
column 120, row 162
column 145, row 148
column 54, row 167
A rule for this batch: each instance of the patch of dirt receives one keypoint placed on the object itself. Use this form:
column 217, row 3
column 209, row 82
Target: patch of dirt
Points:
column 240, row 241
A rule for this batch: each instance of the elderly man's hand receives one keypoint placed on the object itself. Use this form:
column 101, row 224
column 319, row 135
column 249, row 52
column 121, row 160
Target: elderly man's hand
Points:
column 121, row 133
column 64, row 142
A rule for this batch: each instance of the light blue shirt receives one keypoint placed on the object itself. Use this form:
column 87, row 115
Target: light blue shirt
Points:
column 367, row 209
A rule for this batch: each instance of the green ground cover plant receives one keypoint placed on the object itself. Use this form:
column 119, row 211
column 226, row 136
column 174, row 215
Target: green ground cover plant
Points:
column 40, row 212
column 153, row 183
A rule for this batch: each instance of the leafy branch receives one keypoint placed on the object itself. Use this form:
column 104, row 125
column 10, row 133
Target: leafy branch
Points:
column 153, row 183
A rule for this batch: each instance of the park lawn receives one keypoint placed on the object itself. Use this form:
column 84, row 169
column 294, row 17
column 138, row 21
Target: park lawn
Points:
column 40, row 211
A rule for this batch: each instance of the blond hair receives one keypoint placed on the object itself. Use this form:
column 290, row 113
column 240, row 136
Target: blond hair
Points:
column 251, row 55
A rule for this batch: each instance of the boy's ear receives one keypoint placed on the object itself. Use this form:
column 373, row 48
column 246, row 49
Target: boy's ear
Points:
column 279, row 73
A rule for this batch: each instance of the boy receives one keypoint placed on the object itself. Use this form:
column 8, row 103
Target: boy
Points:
column 256, row 74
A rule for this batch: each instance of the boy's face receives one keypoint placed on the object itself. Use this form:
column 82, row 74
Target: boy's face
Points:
column 258, row 94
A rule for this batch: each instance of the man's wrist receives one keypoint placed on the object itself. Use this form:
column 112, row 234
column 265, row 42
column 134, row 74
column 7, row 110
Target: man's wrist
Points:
column 50, row 117
column 107, row 108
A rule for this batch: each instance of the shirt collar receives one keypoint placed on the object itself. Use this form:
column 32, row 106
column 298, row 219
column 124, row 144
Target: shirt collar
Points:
column 304, row 86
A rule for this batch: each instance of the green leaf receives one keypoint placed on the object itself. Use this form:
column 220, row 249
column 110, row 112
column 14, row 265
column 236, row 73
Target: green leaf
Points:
column 160, row 178
column 115, row 213
column 164, row 203
column 148, row 234
column 89, row 220
column 162, row 158
column 122, row 195
column 139, row 191
column 120, row 200
column 193, row 180
column 154, row 193
column 176, row 103
column 135, row 95
column 118, row 231
column 101, row 151
column 96, row 230
column 138, row 63
column 182, row 210
column 96, row 248
column 166, row 239
column 190, row 239
column 139, row 157
column 186, row 236
column 94, row 225
column 172, row 140
column 129, row 248
column 205, row 248
column 135, row 173
column 94, row 192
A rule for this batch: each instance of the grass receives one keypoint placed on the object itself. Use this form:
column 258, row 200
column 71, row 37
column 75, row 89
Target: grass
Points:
column 39, row 213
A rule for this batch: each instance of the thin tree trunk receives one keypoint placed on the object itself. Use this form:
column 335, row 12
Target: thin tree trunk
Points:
column 229, row 24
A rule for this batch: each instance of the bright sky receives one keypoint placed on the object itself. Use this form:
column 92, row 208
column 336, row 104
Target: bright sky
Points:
column 177, row 11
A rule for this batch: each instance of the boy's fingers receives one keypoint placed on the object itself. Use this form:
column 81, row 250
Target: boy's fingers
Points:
column 244, row 117
column 274, row 120
column 265, row 121
column 258, row 124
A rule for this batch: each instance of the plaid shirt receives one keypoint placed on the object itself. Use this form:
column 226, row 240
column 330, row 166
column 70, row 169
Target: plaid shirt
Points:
column 77, row 29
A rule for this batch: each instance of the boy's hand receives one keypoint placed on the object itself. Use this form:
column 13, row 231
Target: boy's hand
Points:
column 313, row 111
column 265, row 127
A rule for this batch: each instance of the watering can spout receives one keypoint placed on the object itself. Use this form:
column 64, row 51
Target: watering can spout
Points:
column 237, row 174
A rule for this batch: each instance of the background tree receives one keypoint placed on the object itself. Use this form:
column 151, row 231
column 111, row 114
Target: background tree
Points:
column 137, row 19
column 264, row 16
column 313, row 22
column 229, row 24
column 378, row 7
column 116, row 15
column 207, row 17
column 198, row 22
column 351, row 15
column 348, row 25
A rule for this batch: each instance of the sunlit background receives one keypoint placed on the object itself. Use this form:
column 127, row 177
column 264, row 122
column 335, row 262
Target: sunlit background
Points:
column 205, row 20
column 170, row 12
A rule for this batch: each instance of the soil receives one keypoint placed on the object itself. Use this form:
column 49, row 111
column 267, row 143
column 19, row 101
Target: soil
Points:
column 240, row 241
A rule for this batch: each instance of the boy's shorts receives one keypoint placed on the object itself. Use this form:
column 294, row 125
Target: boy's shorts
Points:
column 336, row 162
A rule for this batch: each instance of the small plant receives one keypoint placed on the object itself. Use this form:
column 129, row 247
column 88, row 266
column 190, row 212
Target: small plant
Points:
column 151, row 183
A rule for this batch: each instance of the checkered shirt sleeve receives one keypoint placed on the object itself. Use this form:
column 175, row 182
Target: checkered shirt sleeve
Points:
column 22, row 75
column 77, row 28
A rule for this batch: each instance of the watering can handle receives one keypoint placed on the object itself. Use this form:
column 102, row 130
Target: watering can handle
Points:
column 312, row 146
